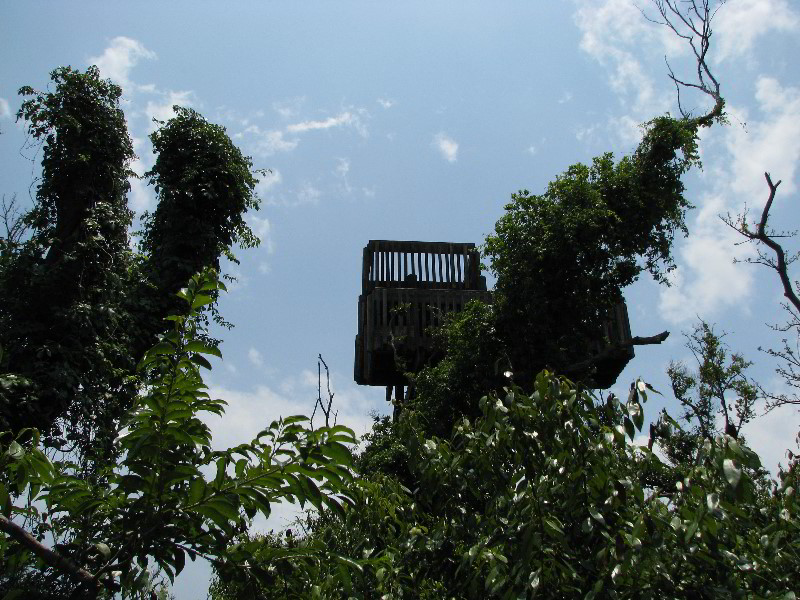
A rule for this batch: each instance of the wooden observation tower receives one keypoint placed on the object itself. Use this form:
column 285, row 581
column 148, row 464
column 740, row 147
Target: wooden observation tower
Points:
column 408, row 288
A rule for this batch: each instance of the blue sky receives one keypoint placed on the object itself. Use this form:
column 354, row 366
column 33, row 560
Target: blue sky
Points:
column 417, row 120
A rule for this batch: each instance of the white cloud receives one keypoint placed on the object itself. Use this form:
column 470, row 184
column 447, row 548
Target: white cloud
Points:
column 707, row 280
column 353, row 117
column 585, row 133
column 308, row 194
column 163, row 110
column 771, row 434
column 268, row 180
column 531, row 150
column 249, row 412
column 368, row 192
column 341, row 171
column 386, row 102
column 269, row 142
column 627, row 129
column 342, row 167
column 255, row 357
column 738, row 25
column 345, row 118
column 565, row 97
column 446, row 146
column 263, row 229
column 288, row 109
column 141, row 196
column 614, row 33
column 5, row 109
column 771, row 144
column 119, row 58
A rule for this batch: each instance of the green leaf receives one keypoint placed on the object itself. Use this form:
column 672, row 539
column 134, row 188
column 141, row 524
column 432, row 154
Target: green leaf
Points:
column 197, row 489
column 180, row 560
column 201, row 360
column 201, row 300
column 553, row 527
column 15, row 451
column 162, row 348
column 732, row 471
column 629, row 428
column 103, row 549
column 203, row 348
column 597, row 516
column 337, row 452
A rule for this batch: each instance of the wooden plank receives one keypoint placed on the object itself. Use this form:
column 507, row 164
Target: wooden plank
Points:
column 451, row 256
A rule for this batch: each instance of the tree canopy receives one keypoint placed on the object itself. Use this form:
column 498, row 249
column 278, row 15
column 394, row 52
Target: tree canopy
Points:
column 80, row 307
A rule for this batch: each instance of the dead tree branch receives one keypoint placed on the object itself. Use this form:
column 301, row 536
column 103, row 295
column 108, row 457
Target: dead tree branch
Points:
column 13, row 222
column 320, row 403
column 691, row 21
column 777, row 260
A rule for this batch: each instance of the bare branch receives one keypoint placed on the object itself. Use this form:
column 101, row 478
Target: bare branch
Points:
column 760, row 234
column 13, row 221
column 326, row 409
column 692, row 22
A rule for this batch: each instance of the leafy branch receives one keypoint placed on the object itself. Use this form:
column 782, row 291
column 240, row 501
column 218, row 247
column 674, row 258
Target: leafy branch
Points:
column 156, row 504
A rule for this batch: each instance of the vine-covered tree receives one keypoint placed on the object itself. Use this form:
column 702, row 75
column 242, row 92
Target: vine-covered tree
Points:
column 205, row 185
column 79, row 308
column 63, row 326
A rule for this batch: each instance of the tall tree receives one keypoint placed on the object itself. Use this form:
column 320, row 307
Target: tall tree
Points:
column 63, row 328
column 79, row 308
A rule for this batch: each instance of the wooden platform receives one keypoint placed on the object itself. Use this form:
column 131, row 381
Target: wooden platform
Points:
column 407, row 290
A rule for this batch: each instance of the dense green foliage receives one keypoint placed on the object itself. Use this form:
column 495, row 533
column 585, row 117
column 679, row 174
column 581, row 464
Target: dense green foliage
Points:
column 79, row 308
column 498, row 480
column 720, row 388
column 562, row 258
column 204, row 186
column 542, row 496
column 62, row 327
column 158, row 505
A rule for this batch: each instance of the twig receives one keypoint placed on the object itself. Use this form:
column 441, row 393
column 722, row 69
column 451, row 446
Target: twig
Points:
column 319, row 402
